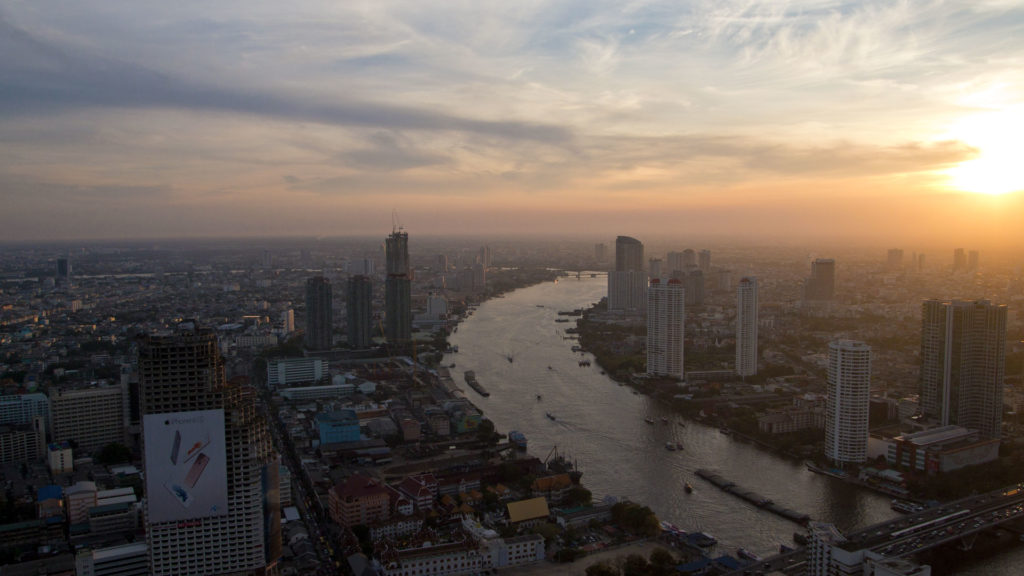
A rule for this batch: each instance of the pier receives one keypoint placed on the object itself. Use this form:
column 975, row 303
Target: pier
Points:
column 754, row 498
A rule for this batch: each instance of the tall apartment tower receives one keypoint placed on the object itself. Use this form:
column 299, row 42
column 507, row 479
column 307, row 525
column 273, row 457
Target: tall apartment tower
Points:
column 822, row 283
column 359, row 312
column 963, row 361
column 211, row 473
column 63, row 271
column 627, row 284
column 959, row 260
column 674, row 262
column 319, row 313
column 485, row 256
column 398, row 289
column 704, row 260
column 666, row 319
column 746, row 327
column 894, row 260
column 849, row 396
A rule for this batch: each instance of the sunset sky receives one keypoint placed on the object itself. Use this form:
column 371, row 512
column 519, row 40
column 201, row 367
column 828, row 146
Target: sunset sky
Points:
column 897, row 121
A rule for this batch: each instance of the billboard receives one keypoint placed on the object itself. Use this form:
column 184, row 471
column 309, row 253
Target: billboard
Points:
column 186, row 465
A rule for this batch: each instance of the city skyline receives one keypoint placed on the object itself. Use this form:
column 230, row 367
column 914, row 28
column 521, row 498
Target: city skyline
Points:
column 846, row 121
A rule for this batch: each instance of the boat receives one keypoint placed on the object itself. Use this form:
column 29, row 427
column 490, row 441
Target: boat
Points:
column 452, row 365
column 538, row 397
column 670, row 447
column 584, row 362
column 649, row 420
column 725, row 431
column 800, row 538
column 474, row 384
column 703, row 539
column 679, row 445
column 550, row 368
column 783, row 549
column 517, row 439
column 664, row 420
column 748, row 555
column 681, row 423
column 688, row 488
column 549, row 415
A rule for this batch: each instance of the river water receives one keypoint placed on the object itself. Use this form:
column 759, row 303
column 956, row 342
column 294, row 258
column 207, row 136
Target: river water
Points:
column 601, row 425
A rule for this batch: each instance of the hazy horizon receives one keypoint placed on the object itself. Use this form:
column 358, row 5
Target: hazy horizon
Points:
column 864, row 122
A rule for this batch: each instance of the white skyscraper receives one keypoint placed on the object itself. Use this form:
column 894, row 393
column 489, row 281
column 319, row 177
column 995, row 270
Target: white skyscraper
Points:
column 849, row 395
column 746, row 327
column 666, row 319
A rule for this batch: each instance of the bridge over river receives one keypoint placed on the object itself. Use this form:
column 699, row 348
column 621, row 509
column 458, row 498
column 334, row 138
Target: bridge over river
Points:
column 957, row 523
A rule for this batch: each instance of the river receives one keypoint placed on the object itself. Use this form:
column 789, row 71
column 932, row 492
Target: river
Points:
column 601, row 425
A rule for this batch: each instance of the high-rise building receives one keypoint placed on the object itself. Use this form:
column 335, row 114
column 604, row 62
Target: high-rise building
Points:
column 63, row 270
column 704, row 260
column 485, row 256
column 894, row 260
column 675, row 263
column 746, row 327
column 689, row 258
column 822, row 283
column 211, row 474
column 654, row 267
column 92, row 416
column 693, row 283
column 398, row 290
column 359, row 312
column 319, row 314
column 629, row 254
column 666, row 320
column 849, row 398
column 442, row 263
column 959, row 260
column 627, row 284
column 963, row 361
column 288, row 321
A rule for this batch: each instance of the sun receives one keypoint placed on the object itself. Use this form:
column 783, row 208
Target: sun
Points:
column 999, row 166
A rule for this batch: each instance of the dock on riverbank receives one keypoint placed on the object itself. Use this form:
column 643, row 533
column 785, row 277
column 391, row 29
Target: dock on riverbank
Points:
column 754, row 498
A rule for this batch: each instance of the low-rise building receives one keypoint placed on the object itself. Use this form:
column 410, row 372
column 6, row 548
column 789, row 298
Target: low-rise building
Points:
column 942, row 449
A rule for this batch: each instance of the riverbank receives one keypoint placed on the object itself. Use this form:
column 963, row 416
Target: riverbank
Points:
column 579, row 567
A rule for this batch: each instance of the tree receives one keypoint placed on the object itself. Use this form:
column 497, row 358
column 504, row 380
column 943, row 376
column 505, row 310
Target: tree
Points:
column 662, row 562
column 114, row 453
column 635, row 565
column 578, row 496
column 602, row 569
column 485, row 432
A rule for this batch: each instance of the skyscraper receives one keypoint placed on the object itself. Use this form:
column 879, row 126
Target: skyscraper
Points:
column 822, row 283
column 485, row 256
column 704, row 260
column 959, row 260
column 666, row 319
column 211, row 502
column 63, row 271
column 629, row 254
column 894, row 260
column 675, row 262
column 963, row 358
column 359, row 311
column 398, row 290
column 627, row 284
column 746, row 327
column 849, row 396
column 319, row 314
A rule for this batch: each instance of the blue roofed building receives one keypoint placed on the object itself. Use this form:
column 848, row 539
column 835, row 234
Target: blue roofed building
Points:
column 338, row 427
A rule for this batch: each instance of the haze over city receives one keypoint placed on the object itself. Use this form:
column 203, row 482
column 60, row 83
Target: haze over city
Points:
column 894, row 122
